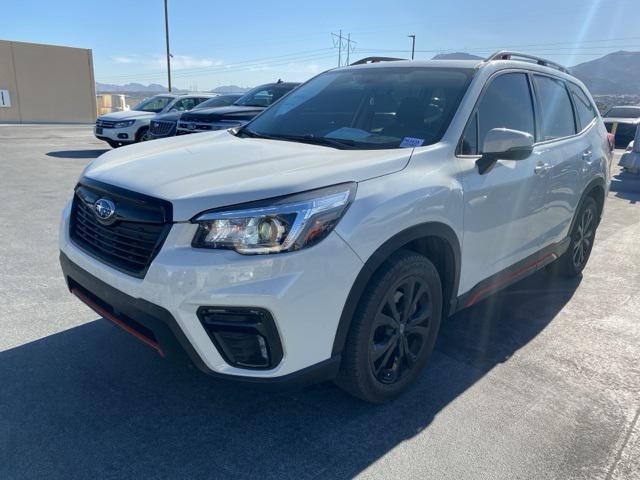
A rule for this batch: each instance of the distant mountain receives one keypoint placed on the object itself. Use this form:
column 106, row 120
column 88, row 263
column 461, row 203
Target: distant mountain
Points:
column 230, row 89
column 614, row 74
column 156, row 88
column 456, row 56
column 130, row 87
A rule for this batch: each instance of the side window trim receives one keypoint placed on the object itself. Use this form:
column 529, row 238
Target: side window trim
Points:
column 537, row 117
column 576, row 120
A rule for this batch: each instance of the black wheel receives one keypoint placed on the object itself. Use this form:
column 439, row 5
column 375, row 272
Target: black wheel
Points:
column 393, row 330
column 113, row 143
column 573, row 261
column 143, row 135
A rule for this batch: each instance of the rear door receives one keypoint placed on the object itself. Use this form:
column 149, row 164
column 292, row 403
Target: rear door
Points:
column 503, row 207
column 562, row 153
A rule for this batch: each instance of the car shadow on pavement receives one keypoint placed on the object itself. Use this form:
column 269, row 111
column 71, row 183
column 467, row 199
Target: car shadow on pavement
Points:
column 626, row 186
column 91, row 402
column 78, row 153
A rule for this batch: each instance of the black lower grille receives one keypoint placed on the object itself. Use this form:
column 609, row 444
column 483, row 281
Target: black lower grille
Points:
column 162, row 128
column 132, row 238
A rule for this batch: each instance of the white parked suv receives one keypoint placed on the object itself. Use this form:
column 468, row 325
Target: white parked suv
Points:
column 328, row 237
column 131, row 126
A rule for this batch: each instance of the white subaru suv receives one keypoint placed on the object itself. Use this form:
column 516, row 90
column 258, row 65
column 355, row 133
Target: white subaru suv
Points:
column 328, row 237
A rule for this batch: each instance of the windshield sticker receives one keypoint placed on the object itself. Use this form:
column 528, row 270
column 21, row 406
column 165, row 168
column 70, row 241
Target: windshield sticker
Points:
column 411, row 142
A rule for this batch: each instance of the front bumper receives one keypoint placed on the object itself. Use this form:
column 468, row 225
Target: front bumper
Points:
column 124, row 135
column 157, row 328
column 304, row 293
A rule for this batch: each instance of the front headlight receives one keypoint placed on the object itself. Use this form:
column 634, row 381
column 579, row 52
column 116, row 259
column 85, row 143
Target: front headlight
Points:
column 278, row 225
column 124, row 124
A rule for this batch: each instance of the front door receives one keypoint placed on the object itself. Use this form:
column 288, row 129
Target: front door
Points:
column 503, row 208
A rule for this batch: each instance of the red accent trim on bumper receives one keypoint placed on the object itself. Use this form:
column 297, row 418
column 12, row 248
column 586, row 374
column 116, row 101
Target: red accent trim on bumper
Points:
column 501, row 281
column 112, row 318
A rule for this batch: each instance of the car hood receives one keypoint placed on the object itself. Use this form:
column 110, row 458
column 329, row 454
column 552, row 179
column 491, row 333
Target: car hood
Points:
column 211, row 170
column 171, row 116
column 219, row 113
column 128, row 115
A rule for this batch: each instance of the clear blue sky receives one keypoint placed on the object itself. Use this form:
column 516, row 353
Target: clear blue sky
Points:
column 249, row 42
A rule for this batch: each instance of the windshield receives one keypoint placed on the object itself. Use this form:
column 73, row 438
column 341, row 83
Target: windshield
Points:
column 264, row 95
column 623, row 112
column 154, row 104
column 220, row 101
column 368, row 108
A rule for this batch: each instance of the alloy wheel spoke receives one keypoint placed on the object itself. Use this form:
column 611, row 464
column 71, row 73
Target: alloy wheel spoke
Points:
column 408, row 293
column 387, row 355
column 380, row 349
column 382, row 320
column 393, row 307
column 408, row 356
column 417, row 330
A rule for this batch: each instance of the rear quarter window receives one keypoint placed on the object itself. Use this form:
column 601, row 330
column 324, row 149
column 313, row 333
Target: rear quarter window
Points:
column 584, row 108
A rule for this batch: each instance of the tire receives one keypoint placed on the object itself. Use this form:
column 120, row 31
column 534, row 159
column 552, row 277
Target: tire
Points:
column 142, row 135
column 573, row 261
column 387, row 345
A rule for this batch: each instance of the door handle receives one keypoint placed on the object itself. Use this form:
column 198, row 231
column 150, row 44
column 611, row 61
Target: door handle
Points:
column 540, row 168
column 587, row 156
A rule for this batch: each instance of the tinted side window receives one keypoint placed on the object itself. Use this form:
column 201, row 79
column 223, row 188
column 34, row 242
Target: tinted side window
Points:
column 557, row 112
column 184, row 104
column 506, row 103
column 584, row 108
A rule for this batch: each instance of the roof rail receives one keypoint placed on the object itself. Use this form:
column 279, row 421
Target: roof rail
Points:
column 508, row 55
column 366, row 60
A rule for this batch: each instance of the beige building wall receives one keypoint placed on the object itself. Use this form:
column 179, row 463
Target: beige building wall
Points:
column 47, row 83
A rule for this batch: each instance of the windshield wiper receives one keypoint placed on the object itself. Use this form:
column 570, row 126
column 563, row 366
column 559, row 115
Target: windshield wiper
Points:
column 328, row 142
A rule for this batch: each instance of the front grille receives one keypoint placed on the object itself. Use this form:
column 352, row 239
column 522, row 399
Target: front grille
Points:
column 131, row 241
column 105, row 123
column 197, row 118
column 196, row 126
column 162, row 128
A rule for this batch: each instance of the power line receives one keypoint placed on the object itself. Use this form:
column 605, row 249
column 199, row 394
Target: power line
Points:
column 178, row 74
column 205, row 69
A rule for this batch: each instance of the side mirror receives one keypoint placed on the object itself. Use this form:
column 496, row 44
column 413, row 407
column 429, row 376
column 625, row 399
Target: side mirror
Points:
column 504, row 144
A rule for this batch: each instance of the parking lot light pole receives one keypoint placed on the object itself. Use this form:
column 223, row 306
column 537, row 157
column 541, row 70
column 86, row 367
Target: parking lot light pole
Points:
column 413, row 44
column 166, row 32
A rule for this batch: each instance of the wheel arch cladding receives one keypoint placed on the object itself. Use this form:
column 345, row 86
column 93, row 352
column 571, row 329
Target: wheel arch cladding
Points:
column 595, row 189
column 436, row 241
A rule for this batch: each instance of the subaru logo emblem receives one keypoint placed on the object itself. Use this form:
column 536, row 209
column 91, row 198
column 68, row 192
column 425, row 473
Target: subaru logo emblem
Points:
column 104, row 209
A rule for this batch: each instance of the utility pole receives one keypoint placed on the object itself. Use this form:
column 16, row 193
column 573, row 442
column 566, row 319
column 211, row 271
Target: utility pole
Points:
column 413, row 45
column 339, row 41
column 166, row 32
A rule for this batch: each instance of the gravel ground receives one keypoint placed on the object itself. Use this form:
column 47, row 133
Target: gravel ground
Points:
column 542, row 381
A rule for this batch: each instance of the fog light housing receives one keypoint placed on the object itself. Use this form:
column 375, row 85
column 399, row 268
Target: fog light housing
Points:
column 245, row 337
column 123, row 136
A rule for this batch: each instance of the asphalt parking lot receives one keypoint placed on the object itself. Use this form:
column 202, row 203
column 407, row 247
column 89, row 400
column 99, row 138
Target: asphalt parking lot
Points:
column 542, row 381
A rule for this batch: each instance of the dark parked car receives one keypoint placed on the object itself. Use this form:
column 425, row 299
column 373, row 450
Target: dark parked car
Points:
column 164, row 125
column 243, row 110
column 622, row 122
